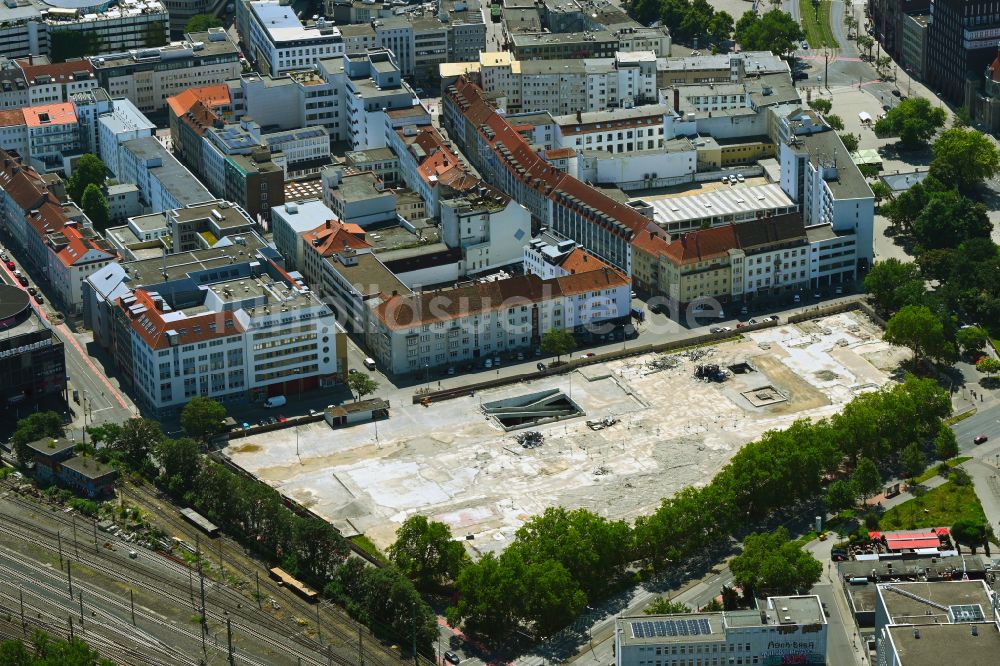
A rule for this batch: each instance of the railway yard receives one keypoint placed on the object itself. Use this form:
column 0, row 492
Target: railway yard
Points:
column 60, row 573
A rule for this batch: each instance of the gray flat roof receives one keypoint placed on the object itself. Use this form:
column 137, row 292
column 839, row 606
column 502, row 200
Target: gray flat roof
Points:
column 803, row 609
column 179, row 50
column 150, row 271
column 369, row 276
column 174, row 178
column 88, row 467
column 946, row 644
column 827, row 147
column 908, row 602
column 359, row 187
column 720, row 201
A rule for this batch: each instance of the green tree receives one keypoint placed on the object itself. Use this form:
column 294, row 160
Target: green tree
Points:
column 666, row 606
column 920, row 329
column 945, row 443
column 202, row 418
column 426, row 552
column 89, row 169
column 821, row 104
column 773, row 562
column 34, row 427
column 841, row 495
column 962, row 117
column 865, row 43
column 850, row 141
column 558, row 341
column 46, row 650
column 720, row 27
column 949, row 219
column 67, row 44
column 95, row 205
column 882, row 64
column 489, row 598
column 866, row 479
column 835, row 121
column 551, row 596
column 988, row 365
column 775, row 31
column 970, row 533
column 914, row 121
column 972, row 338
column 155, row 34
column 134, row 441
column 964, row 158
column 180, row 460
column 880, row 190
column 912, row 460
column 201, row 23
column 361, row 384
column 893, row 283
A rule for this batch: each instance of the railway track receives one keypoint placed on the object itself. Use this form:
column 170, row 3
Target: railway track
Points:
column 222, row 603
column 338, row 645
column 336, row 621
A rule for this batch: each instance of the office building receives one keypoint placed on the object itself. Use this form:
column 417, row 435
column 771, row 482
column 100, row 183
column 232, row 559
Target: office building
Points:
column 53, row 134
column 147, row 77
column 913, row 54
column 360, row 198
column 787, row 630
column 31, row 27
column 925, row 623
column 961, row 41
column 163, row 182
column 290, row 221
column 32, row 362
column 277, row 41
column 490, row 228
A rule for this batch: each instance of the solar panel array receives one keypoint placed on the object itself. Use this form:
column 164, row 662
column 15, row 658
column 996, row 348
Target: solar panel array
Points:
column 671, row 628
column 967, row 613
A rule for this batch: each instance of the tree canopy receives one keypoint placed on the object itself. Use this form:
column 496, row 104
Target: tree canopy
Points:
column 201, row 23
column 361, row 384
column 33, row 428
column 95, row 205
column 89, row 169
column 666, row 606
column 426, row 552
column 964, row 158
column 558, row 341
column 774, row 563
column 972, row 338
column 45, row 650
column 202, row 418
column 913, row 120
column 892, row 283
column 920, row 329
column 970, row 533
column 774, row 31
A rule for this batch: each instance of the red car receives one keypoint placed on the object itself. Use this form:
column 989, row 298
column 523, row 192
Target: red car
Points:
column 281, row 418
column 980, row 439
column 10, row 265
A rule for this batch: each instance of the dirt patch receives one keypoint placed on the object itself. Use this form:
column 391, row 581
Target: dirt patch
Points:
column 248, row 448
column 826, row 375
column 801, row 394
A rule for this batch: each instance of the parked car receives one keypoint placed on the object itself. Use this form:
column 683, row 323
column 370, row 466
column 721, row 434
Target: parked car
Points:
column 817, row 294
column 39, row 299
column 800, row 76
column 896, row 93
column 4, row 257
column 589, row 355
column 452, row 658
column 797, row 298
column 980, row 439
column 838, row 290
column 771, row 318
column 282, row 418
column 23, row 280
column 752, row 322
column 716, row 329
column 451, row 369
column 32, row 291
column 740, row 177
column 540, row 366
column 805, row 46
column 488, row 364
column 10, row 264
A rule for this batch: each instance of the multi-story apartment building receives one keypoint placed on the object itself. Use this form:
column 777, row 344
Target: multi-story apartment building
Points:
column 163, row 182
column 53, row 83
column 13, row 85
column 785, row 630
column 255, row 182
column 466, row 30
column 409, row 333
column 717, row 68
column 29, row 27
column 57, row 241
column 421, row 43
column 429, row 166
column 14, row 132
column 53, row 132
column 114, row 121
column 149, row 76
column 277, row 41
column 489, row 227
column 290, row 221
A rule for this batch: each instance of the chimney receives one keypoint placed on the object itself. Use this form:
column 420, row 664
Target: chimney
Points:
column 579, row 117
column 31, row 59
column 328, row 224
column 677, row 100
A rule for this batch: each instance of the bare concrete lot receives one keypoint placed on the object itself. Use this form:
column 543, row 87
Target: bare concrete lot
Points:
column 451, row 462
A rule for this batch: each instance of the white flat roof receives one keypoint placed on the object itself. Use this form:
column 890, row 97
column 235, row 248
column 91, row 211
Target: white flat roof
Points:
column 283, row 25
column 720, row 201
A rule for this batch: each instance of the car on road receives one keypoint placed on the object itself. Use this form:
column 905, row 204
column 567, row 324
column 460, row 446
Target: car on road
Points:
column 740, row 178
column 452, row 658
column 10, row 264
column 752, row 322
column 886, row 108
column 979, row 439
column 32, row 291
column 39, row 299
column 797, row 298
column 540, row 366
column 805, row 46
column 800, row 76
column 589, row 355
column 451, row 369
column 896, row 93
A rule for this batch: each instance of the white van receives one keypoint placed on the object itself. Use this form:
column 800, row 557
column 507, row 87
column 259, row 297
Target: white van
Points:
column 275, row 401
column 369, row 363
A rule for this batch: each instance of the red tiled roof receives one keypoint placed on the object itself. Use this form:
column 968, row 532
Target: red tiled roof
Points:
column 331, row 237
column 152, row 328
column 650, row 243
column 581, row 261
column 703, row 244
column 211, row 96
column 583, row 283
column 439, row 160
column 558, row 153
column 22, row 184
column 11, row 117
column 61, row 72
column 50, row 114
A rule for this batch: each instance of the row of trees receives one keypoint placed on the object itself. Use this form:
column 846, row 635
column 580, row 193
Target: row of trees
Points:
column 563, row 560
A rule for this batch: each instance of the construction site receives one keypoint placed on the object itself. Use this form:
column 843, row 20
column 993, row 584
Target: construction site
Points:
column 614, row 437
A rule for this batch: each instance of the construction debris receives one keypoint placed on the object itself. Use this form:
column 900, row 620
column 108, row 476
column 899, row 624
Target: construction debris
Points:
column 529, row 439
column 710, row 372
column 601, row 424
